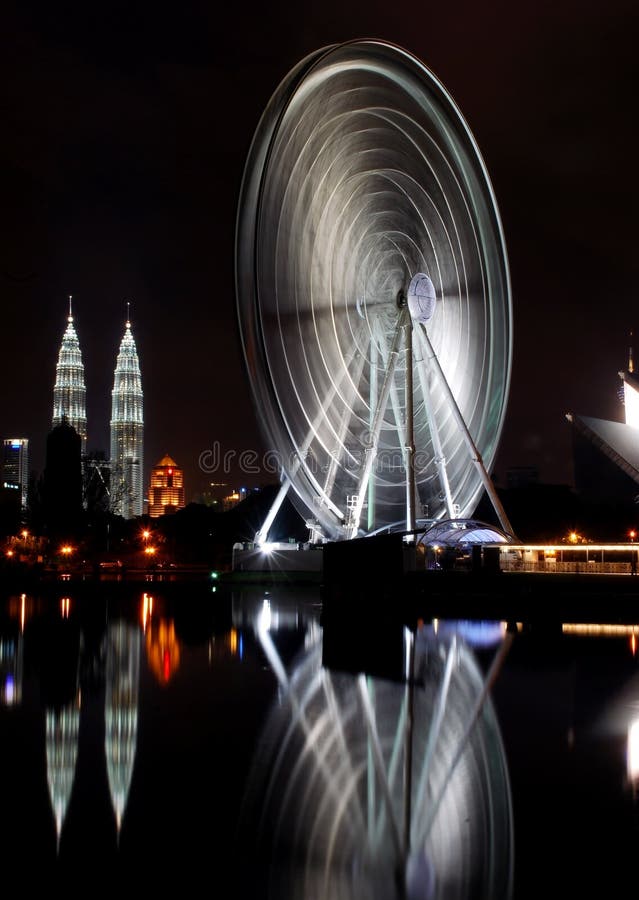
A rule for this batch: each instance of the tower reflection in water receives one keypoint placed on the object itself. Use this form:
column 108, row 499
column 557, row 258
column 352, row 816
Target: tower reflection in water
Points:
column 120, row 734
column 71, row 667
column 62, row 733
column 121, row 711
column 375, row 787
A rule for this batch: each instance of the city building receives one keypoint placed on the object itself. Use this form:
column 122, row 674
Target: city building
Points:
column 69, row 392
column 127, row 431
column 15, row 467
column 166, row 492
column 606, row 453
column 232, row 499
column 96, row 481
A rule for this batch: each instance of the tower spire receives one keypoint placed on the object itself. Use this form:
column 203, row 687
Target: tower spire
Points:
column 128, row 314
column 631, row 366
column 70, row 319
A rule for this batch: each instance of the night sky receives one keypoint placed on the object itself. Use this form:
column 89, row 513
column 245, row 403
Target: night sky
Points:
column 125, row 129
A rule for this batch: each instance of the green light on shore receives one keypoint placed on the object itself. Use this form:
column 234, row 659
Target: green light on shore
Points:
column 214, row 575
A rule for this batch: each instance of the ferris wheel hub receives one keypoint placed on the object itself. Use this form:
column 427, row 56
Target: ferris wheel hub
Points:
column 421, row 298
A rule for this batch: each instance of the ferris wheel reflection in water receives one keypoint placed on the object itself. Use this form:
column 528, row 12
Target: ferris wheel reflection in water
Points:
column 375, row 787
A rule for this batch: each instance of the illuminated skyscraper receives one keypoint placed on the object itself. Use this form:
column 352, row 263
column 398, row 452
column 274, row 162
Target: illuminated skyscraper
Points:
column 127, row 432
column 69, row 392
column 15, row 467
column 166, row 494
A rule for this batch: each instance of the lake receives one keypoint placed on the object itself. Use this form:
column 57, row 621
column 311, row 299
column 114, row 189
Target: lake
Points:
column 181, row 737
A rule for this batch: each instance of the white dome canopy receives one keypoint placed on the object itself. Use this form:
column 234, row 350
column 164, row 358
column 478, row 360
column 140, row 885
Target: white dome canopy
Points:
column 462, row 532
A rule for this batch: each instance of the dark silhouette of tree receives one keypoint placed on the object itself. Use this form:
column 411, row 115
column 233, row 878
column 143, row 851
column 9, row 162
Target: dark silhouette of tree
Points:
column 63, row 483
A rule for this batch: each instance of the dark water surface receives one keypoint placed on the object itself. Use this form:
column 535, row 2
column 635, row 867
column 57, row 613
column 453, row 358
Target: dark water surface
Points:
column 225, row 743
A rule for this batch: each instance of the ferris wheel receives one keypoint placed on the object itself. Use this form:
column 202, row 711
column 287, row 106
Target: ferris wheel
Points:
column 373, row 295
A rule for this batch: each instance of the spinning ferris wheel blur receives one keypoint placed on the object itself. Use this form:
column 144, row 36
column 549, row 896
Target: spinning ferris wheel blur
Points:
column 373, row 295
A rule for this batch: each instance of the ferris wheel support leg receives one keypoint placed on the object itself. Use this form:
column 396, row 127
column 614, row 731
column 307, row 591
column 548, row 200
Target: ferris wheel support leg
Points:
column 436, row 723
column 408, row 753
column 370, row 784
column 409, row 444
column 440, row 459
column 393, row 766
column 262, row 534
column 474, row 452
column 376, row 427
column 372, row 400
column 378, row 759
column 487, row 687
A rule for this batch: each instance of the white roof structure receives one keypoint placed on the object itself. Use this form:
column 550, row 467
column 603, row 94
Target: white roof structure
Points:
column 463, row 532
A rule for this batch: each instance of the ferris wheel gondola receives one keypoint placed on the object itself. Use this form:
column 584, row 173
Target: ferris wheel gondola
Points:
column 373, row 294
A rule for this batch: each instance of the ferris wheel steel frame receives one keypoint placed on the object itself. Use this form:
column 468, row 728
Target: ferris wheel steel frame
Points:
column 373, row 295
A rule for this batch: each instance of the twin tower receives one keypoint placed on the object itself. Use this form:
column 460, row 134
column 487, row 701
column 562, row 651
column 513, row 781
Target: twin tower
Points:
column 126, row 482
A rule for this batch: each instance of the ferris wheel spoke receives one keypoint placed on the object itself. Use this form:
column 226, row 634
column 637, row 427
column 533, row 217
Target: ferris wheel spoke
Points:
column 261, row 536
